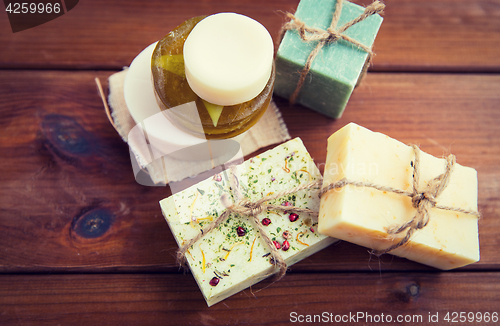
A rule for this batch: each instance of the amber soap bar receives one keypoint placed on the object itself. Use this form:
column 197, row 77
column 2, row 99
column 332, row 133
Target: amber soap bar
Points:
column 362, row 215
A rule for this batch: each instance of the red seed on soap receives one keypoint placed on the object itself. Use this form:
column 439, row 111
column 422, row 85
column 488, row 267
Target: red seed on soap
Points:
column 287, row 234
column 293, row 217
column 214, row 281
column 286, row 245
column 277, row 244
column 241, row 231
column 266, row 221
column 286, row 203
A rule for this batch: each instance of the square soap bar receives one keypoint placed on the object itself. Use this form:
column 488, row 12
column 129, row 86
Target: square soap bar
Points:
column 336, row 69
column 237, row 259
column 362, row 215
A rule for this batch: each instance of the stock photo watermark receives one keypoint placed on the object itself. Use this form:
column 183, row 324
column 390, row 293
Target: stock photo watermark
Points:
column 365, row 318
column 157, row 161
column 24, row 15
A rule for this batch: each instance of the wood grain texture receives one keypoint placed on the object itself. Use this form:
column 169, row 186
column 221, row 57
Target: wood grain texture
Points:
column 69, row 201
column 81, row 243
column 154, row 299
column 421, row 35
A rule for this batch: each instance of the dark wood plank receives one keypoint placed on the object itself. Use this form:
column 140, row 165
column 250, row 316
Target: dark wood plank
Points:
column 175, row 299
column 419, row 35
column 439, row 36
column 62, row 162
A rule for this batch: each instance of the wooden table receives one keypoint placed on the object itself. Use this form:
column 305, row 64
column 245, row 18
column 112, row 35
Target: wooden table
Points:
column 435, row 81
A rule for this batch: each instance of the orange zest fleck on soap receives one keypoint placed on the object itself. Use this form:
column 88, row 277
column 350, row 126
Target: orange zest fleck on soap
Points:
column 298, row 240
column 190, row 254
column 274, row 213
column 286, row 169
column 209, row 217
column 203, row 261
column 231, row 249
column 304, row 170
column 251, row 249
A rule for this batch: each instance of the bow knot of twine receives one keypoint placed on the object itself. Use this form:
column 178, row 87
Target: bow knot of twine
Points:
column 418, row 199
column 422, row 201
column 246, row 207
column 331, row 35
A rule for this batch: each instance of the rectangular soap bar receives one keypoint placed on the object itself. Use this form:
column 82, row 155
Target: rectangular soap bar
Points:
column 241, row 261
column 362, row 215
column 336, row 69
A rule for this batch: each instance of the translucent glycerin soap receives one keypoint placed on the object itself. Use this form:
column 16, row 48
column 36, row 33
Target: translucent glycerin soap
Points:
column 224, row 64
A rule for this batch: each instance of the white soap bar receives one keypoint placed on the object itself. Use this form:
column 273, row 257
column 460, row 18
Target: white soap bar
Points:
column 362, row 215
column 228, row 58
column 241, row 261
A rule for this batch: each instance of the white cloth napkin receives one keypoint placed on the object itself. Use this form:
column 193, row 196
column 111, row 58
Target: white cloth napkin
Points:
column 271, row 129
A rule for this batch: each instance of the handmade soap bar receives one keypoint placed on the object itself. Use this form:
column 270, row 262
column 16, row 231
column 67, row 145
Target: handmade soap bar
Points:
column 234, row 256
column 336, row 69
column 228, row 58
column 362, row 214
column 214, row 76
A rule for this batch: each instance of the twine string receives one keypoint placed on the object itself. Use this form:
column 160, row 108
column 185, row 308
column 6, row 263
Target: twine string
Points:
column 245, row 207
column 103, row 98
column 422, row 200
column 331, row 35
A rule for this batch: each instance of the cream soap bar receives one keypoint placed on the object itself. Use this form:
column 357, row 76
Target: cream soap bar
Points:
column 233, row 256
column 228, row 58
column 362, row 215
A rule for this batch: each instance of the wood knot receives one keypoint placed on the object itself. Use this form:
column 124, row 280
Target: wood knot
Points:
column 66, row 136
column 408, row 292
column 413, row 290
column 93, row 223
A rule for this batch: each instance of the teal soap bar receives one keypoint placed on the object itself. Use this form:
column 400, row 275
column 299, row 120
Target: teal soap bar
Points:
column 336, row 69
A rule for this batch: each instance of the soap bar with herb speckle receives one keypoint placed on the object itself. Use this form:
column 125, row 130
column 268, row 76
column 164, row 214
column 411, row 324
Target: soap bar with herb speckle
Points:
column 336, row 69
column 233, row 256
